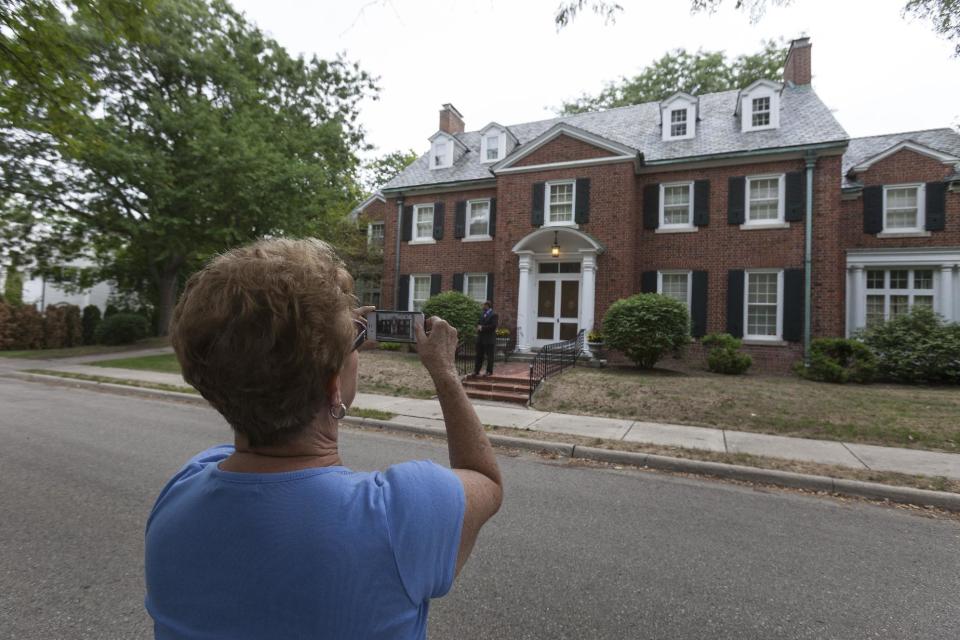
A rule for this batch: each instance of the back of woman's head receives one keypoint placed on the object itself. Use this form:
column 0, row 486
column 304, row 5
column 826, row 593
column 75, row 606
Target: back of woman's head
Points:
column 261, row 329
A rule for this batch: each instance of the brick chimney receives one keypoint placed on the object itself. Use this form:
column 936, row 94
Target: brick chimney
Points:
column 451, row 120
column 797, row 67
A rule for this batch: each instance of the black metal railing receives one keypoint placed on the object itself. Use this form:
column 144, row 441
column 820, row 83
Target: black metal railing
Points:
column 466, row 356
column 554, row 358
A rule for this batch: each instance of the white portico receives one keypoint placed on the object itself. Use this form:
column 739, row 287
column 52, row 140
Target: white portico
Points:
column 556, row 294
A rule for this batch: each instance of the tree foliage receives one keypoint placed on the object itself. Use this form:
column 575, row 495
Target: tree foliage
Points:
column 381, row 170
column 199, row 135
column 696, row 73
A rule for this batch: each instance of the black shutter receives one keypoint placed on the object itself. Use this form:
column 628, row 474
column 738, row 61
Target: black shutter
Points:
column 536, row 212
column 698, row 305
column 872, row 209
column 793, row 305
column 581, row 213
column 460, row 219
column 490, row 287
column 795, row 196
column 648, row 282
column 651, row 206
column 493, row 217
column 406, row 223
column 701, row 203
column 736, row 193
column 458, row 282
column 403, row 293
column 735, row 302
column 434, row 284
column 936, row 202
column 438, row 211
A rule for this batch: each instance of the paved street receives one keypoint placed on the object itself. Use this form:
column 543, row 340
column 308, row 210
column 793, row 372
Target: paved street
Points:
column 576, row 552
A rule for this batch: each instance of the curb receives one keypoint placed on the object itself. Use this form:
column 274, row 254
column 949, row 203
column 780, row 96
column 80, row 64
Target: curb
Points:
column 839, row 486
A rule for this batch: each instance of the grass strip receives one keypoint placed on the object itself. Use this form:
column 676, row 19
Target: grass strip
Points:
column 86, row 350
column 164, row 363
column 376, row 414
column 159, row 386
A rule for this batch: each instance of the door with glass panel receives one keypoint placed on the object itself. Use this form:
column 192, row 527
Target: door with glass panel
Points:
column 558, row 302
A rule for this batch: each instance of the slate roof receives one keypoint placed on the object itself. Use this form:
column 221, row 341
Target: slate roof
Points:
column 862, row 149
column 804, row 120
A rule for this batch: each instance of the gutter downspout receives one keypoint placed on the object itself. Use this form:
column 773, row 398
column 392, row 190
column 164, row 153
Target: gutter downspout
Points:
column 396, row 264
column 811, row 160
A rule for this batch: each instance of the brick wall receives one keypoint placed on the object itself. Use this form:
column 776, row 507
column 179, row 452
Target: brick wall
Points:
column 562, row 149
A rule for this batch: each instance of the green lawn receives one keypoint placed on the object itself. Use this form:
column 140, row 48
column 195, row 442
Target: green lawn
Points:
column 165, row 363
column 86, row 350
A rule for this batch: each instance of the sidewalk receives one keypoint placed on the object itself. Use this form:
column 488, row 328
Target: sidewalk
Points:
column 426, row 413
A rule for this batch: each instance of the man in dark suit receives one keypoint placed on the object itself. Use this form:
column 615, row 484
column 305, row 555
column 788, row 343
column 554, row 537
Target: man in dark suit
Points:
column 486, row 338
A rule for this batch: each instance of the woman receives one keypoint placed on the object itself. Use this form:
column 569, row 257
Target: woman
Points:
column 273, row 537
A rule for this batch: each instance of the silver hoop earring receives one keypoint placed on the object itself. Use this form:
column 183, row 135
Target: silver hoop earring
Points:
column 337, row 413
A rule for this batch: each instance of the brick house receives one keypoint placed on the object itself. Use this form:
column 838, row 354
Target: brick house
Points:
column 751, row 206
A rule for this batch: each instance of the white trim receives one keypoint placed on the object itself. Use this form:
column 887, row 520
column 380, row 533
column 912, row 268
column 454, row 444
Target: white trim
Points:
column 593, row 244
column 415, row 237
column 680, row 230
column 921, row 208
column 676, row 226
column 547, row 222
column 357, row 210
column 915, row 256
column 759, row 89
column 412, row 287
column 781, row 205
column 945, row 158
column 666, row 117
column 574, row 132
column 467, row 236
column 476, row 239
column 501, row 144
column 476, row 274
column 746, row 306
column 767, row 225
column 677, row 272
column 571, row 164
column 370, row 226
column 904, row 234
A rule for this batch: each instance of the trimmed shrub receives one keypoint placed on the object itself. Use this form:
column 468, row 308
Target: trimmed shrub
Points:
column 7, row 329
column 89, row 322
column 111, row 310
column 460, row 311
column 54, row 327
column 916, row 347
column 121, row 328
column 74, row 326
column 724, row 354
column 839, row 360
column 27, row 328
column 646, row 326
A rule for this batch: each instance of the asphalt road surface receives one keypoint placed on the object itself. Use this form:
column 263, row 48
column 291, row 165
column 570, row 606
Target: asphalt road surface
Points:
column 576, row 552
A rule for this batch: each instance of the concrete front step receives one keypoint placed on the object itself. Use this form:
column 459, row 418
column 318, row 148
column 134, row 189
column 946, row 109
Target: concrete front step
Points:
column 509, row 387
column 499, row 396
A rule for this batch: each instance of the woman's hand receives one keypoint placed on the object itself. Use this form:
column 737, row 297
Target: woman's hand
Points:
column 438, row 348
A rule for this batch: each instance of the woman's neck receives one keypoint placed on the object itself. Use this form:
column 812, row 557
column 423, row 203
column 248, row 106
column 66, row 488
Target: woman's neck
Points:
column 317, row 447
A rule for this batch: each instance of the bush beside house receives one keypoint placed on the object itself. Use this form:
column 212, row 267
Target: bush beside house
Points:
column 460, row 311
column 121, row 328
column 646, row 326
column 918, row 347
column 839, row 360
column 724, row 355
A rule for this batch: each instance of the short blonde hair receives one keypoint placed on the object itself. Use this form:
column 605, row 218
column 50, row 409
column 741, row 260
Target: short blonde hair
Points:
column 260, row 330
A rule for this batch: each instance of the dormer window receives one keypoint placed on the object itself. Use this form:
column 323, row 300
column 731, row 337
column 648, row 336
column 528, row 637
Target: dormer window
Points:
column 758, row 106
column 439, row 153
column 678, row 117
column 760, row 116
column 493, row 143
column 493, row 148
column 678, row 123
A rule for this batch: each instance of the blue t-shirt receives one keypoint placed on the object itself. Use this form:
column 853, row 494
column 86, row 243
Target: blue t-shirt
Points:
column 316, row 553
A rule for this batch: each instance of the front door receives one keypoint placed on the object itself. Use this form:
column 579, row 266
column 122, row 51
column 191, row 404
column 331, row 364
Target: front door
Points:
column 558, row 305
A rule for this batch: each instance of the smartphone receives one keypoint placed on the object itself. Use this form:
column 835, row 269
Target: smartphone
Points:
column 393, row 326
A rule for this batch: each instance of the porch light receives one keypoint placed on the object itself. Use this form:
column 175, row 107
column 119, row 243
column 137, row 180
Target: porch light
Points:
column 555, row 249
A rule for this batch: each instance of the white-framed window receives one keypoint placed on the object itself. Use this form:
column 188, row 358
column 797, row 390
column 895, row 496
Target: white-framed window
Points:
column 375, row 232
column 559, row 202
column 675, row 284
column 478, row 219
column 678, row 123
column 676, row 205
column 441, row 152
column 368, row 291
column 419, row 292
column 903, row 208
column 475, row 286
column 760, row 112
column 422, row 223
column 492, row 145
column 765, row 200
column 763, row 305
column 894, row 292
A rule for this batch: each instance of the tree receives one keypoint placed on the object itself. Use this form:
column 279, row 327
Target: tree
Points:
column 678, row 70
column 201, row 135
column 944, row 14
column 379, row 171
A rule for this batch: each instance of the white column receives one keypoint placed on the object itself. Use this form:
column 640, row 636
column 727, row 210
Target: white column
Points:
column 588, row 283
column 523, row 303
column 858, row 297
column 945, row 308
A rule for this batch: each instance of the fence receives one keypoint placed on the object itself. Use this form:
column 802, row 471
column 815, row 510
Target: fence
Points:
column 554, row 358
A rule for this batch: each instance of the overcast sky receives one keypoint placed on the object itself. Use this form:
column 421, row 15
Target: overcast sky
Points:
column 504, row 61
